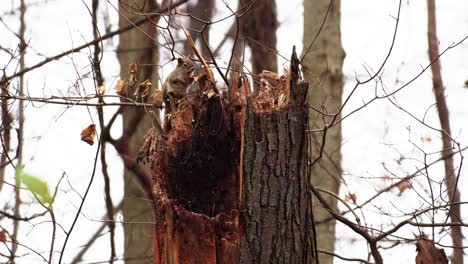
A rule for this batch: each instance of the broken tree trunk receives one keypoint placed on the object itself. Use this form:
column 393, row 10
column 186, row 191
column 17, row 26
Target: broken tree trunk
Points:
column 230, row 177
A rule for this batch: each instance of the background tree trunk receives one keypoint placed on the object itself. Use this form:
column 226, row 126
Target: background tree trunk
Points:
column 259, row 27
column 204, row 10
column 238, row 47
column 322, row 66
column 136, row 47
column 447, row 143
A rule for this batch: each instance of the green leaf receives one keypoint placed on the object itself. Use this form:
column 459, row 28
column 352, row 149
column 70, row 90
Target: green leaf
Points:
column 38, row 187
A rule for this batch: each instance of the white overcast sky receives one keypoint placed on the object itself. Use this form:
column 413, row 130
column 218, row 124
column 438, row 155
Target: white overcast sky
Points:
column 377, row 135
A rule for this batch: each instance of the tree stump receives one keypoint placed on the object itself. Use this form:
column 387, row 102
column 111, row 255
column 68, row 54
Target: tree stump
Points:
column 230, row 180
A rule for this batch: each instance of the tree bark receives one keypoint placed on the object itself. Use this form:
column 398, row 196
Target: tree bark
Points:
column 276, row 197
column 136, row 47
column 233, row 187
column 322, row 66
column 451, row 179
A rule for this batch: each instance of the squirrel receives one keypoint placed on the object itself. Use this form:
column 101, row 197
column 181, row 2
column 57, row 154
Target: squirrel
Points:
column 175, row 86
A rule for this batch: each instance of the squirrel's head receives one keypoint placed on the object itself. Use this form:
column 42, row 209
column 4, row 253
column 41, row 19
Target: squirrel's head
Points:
column 186, row 64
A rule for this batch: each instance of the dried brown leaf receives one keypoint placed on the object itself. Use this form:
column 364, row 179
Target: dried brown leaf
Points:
column 121, row 88
column 428, row 252
column 88, row 134
column 133, row 70
column 402, row 186
column 156, row 99
column 3, row 236
column 143, row 89
column 351, row 197
column 101, row 89
column 426, row 139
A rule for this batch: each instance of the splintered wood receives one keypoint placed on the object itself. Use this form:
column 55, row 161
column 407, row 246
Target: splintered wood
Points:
column 273, row 91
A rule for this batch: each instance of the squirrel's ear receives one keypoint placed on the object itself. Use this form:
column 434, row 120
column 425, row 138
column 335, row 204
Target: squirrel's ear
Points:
column 180, row 61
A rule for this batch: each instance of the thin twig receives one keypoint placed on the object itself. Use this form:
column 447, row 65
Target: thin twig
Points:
column 104, row 37
column 21, row 218
column 95, row 236
column 99, row 81
column 75, row 101
column 22, row 51
column 358, row 220
column 82, row 203
column 344, row 258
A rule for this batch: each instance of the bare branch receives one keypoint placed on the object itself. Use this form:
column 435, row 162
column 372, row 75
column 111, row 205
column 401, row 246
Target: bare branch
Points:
column 104, row 37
